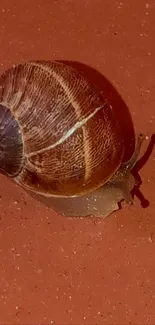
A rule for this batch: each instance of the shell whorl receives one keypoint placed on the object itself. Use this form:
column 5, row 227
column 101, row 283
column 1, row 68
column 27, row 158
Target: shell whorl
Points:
column 70, row 139
column 11, row 144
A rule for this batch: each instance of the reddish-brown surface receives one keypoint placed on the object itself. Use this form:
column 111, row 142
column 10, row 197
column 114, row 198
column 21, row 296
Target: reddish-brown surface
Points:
column 57, row 270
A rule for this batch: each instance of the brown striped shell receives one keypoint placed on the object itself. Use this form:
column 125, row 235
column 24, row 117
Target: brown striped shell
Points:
column 59, row 136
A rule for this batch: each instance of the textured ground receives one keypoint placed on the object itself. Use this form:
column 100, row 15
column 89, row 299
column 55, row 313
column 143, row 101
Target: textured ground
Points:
column 57, row 270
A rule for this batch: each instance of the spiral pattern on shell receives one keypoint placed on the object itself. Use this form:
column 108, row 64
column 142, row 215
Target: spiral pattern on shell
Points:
column 71, row 141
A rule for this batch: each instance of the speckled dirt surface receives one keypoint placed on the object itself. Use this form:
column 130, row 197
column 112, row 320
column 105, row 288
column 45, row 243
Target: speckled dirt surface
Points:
column 57, row 270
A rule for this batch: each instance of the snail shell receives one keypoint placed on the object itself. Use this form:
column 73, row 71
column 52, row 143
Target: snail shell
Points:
column 59, row 137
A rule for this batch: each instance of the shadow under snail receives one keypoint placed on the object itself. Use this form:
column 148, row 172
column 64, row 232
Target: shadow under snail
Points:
column 61, row 142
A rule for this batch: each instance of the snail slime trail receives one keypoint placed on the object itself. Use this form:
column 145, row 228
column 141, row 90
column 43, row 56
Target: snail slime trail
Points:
column 60, row 140
column 11, row 145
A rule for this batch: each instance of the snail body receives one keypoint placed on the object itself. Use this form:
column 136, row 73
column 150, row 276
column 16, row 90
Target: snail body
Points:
column 60, row 140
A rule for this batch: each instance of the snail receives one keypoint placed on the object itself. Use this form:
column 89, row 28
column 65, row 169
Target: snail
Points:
column 61, row 141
